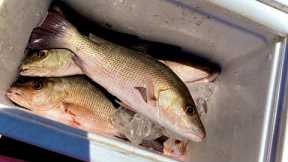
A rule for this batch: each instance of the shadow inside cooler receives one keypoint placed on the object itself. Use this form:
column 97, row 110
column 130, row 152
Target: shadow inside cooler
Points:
column 244, row 51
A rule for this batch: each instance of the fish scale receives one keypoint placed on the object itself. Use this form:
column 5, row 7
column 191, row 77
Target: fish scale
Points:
column 122, row 72
column 126, row 69
column 91, row 97
column 59, row 62
column 132, row 67
column 70, row 100
column 76, row 102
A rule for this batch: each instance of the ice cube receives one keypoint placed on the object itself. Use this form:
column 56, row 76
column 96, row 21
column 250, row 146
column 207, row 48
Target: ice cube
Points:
column 201, row 92
column 135, row 127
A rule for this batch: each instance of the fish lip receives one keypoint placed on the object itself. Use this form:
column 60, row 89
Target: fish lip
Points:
column 11, row 91
column 33, row 72
column 197, row 137
column 22, row 69
column 192, row 135
column 26, row 72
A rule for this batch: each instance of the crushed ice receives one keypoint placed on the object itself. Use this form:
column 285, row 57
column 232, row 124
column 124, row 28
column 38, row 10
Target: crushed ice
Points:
column 135, row 127
column 201, row 93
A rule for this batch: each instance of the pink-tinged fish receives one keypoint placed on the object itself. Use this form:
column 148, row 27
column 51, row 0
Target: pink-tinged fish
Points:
column 74, row 101
column 70, row 100
column 140, row 81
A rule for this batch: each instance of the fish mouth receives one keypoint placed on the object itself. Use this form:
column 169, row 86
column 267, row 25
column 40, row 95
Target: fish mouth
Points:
column 195, row 135
column 13, row 92
column 31, row 72
column 24, row 71
column 16, row 96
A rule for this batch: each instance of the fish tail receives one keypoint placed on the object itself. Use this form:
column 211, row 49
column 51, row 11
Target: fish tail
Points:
column 54, row 32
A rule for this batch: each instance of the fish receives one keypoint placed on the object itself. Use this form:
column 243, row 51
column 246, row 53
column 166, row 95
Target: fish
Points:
column 73, row 101
column 59, row 62
column 49, row 63
column 176, row 148
column 142, row 83
column 188, row 71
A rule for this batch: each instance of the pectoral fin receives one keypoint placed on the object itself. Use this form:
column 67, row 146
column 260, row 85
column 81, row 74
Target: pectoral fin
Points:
column 147, row 94
column 143, row 92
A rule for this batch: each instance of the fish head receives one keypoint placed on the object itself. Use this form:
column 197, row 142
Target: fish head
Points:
column 35, row 94
column 180, row 115
column 45, row 63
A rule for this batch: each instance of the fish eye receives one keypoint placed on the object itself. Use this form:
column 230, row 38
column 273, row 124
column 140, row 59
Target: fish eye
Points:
column 37, row 85
column 41, row 53
column 190, row 110
column 177, row 141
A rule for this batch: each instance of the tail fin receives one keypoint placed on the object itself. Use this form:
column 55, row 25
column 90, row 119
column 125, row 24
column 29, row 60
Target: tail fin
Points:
column 54, row 32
